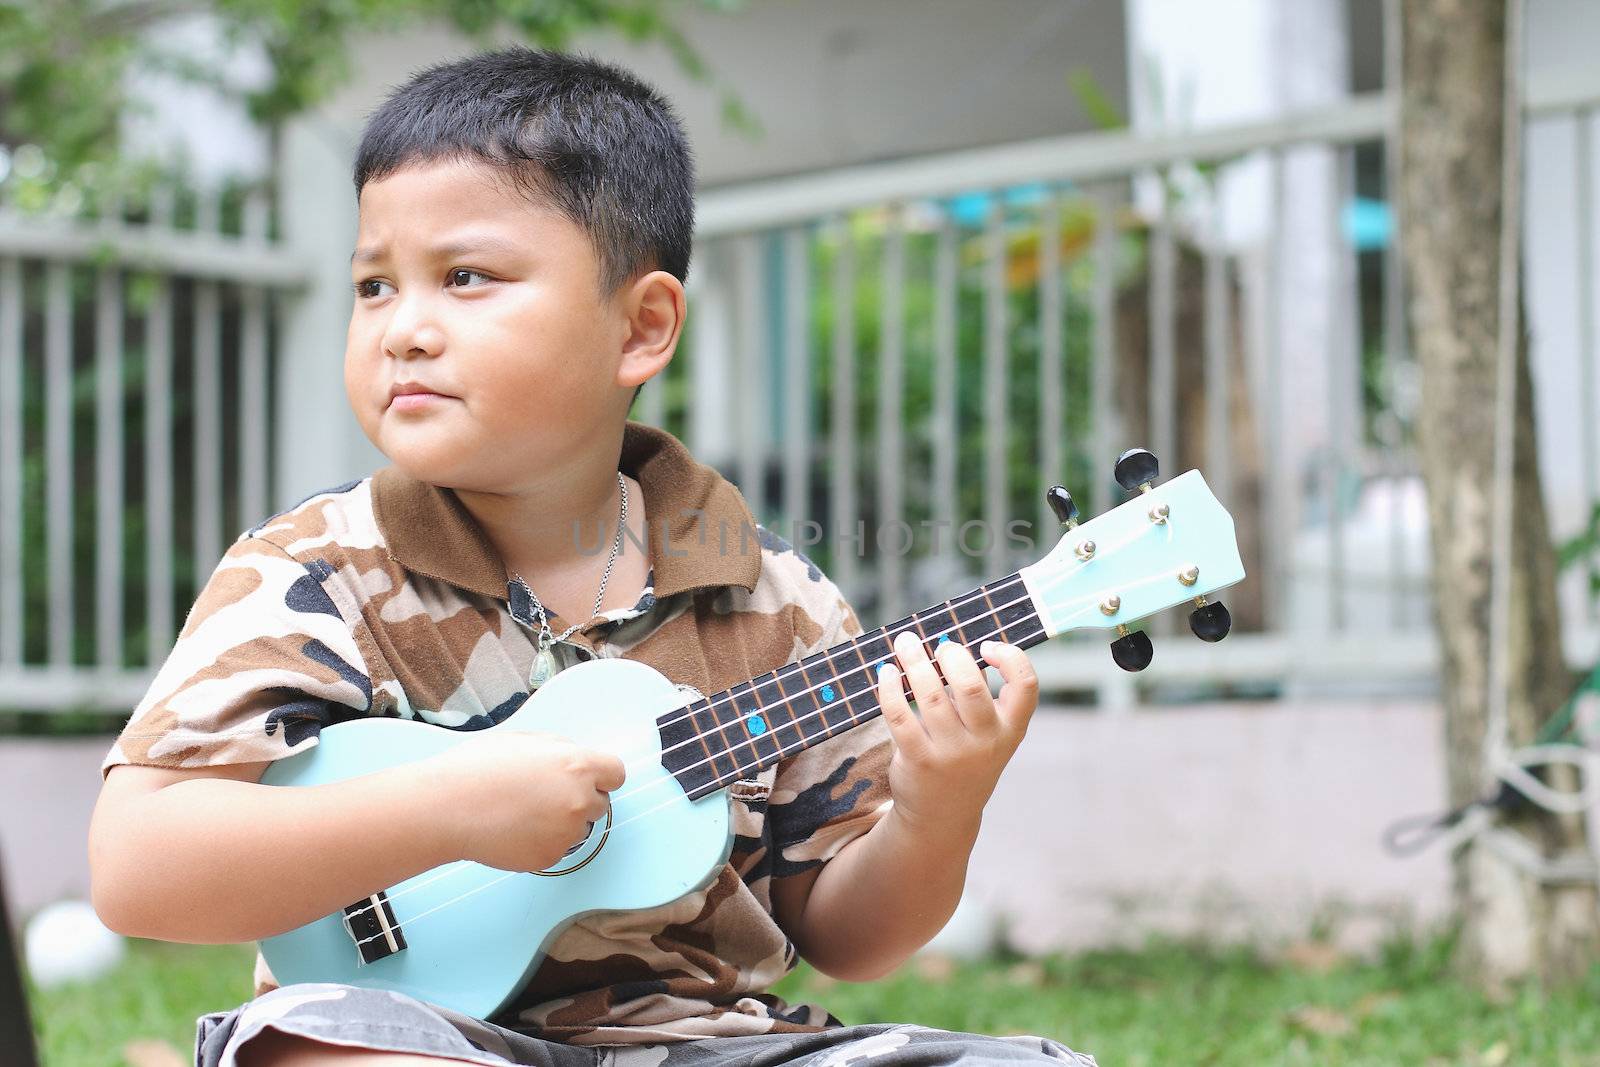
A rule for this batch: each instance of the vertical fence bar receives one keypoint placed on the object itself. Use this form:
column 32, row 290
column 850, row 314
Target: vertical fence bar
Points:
column 994, row 387
column 1218, row 347
column 1344, row 340
column 11, row 525
column 1278, row 518
column 109, row 510
column 207, row 407
column 158, row 461
column 946, row 297
column 254, row 450
column 843, row 414
column 58, row 459
column 1163, row 335
column 797, row 378
column 891, row 413
column 1051, row 462
column 711, row 364
column 1103, row 361
column 750, row 366
column 1163, row 410
column 1583, row 178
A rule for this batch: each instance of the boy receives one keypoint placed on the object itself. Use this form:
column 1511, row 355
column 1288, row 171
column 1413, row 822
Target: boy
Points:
column 525, row 222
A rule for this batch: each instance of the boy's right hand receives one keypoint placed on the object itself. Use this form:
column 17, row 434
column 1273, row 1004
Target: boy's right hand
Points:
column 519, row 799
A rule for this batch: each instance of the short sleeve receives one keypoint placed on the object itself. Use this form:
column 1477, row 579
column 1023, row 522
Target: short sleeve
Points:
column 264, row 661
column 830, row 794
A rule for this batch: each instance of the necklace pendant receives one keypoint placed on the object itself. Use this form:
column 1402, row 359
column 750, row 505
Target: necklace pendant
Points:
column 544, row 668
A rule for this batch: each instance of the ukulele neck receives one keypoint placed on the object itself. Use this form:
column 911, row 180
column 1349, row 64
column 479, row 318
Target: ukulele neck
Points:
column 715, row 741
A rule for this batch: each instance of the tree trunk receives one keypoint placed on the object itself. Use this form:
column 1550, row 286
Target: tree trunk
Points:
column 1450, row 210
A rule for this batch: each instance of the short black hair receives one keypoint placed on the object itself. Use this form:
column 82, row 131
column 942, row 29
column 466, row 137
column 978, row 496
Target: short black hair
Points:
column 583, row 137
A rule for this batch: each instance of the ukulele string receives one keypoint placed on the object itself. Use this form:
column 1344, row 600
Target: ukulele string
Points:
column 803, row 742
column 868, row 669
column 790, row 670
column 459, row 865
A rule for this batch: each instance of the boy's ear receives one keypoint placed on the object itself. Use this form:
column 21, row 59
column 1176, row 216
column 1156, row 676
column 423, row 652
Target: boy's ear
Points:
column 655, row 307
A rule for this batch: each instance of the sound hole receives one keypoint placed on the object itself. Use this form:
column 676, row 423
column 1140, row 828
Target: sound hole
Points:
column 579, row 855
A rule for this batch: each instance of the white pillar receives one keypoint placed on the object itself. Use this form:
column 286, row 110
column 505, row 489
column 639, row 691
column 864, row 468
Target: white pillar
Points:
column 317, row 441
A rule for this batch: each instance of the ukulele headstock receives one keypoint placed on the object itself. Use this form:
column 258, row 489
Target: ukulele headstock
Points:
column 1169, row 544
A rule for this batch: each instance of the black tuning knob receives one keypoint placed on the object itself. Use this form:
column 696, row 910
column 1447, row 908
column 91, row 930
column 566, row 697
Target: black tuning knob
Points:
column 1132, row 651
column 1060, row 502
column 1211, row 622
column 1136, row 467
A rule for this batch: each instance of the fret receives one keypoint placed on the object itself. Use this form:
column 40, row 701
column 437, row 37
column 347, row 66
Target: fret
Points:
column 691, row 763
column 873, row 648
column 821, row 693
column 782, row 715
column 973, row 615
column 997, row 622
column 1019, row 619
column 828, row 694
column 948, row 609
column 775, row 709
column 744, row 723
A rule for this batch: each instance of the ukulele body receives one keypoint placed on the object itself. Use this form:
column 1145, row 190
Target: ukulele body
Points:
column 471, row 936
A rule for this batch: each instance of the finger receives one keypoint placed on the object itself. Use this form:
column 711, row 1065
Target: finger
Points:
column 927, row 688
column 1019, row 695
column 609, row 773
column 904, row 727
column 968, row 688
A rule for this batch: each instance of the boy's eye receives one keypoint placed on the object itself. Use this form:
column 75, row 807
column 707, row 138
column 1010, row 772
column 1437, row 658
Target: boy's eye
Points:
column 463, row 270
column 361, row 290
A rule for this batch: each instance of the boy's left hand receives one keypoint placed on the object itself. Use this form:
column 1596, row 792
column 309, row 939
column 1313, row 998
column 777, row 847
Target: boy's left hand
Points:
column 947, row 760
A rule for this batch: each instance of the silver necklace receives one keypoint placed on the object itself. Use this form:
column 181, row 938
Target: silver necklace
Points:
column 544, row 662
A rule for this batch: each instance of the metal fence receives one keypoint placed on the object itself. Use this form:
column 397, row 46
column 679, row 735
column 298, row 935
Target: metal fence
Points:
column 892, row 362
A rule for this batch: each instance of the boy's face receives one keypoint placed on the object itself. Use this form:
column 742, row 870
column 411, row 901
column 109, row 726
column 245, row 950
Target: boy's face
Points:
column 509, row 328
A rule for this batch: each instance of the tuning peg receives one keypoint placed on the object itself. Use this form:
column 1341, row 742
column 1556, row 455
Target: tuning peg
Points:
column 1132, row 650
column 1060, row 502
column 1136, row 469
column 1210, row 622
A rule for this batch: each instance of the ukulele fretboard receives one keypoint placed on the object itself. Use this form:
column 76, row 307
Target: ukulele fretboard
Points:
column 711, row 743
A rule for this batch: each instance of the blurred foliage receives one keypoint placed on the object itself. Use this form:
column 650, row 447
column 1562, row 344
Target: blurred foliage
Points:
column 1583, row 548
column 64, row 65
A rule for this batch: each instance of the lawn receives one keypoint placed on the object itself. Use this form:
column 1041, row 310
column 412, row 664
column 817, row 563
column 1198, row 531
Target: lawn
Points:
column 1168, row 1004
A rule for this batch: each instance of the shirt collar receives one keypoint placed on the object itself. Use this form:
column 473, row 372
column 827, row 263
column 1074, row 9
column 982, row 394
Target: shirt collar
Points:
column 428, row 530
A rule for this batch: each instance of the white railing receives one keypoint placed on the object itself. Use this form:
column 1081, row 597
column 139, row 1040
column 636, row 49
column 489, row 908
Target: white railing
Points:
column 96, row 573
column 1214, row 380
column 978, row 363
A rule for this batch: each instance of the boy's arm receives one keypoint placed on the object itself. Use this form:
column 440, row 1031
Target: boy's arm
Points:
column 185, row 845
column 209, row 855
column 213, row 855
column 887, row 893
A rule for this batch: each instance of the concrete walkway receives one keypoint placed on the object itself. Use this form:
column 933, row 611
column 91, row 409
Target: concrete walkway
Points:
column 1236, row 820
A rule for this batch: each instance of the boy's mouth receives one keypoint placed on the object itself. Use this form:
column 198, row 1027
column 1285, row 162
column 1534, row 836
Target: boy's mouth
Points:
column 412, row 395
column 416, row 401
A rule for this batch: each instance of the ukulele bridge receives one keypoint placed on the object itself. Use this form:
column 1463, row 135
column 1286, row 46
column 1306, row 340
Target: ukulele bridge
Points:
column 371, row 925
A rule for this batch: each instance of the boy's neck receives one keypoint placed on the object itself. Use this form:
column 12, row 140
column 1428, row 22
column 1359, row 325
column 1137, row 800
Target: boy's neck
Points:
column 557, row 530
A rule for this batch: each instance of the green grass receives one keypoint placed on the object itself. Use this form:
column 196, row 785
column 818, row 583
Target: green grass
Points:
column 1168, row 1004
column 156, row 993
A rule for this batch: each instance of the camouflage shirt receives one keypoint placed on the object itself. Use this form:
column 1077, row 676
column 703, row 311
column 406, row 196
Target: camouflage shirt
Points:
column 384, row 597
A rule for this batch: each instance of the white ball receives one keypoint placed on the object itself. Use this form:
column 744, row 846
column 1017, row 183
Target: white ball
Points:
column 66, row 941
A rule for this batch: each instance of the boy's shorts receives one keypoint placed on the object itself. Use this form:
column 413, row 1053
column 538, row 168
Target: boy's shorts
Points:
column 393, row 1022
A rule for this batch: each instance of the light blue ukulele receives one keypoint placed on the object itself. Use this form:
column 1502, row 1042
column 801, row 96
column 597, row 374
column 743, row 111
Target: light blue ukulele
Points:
column 469, row 937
